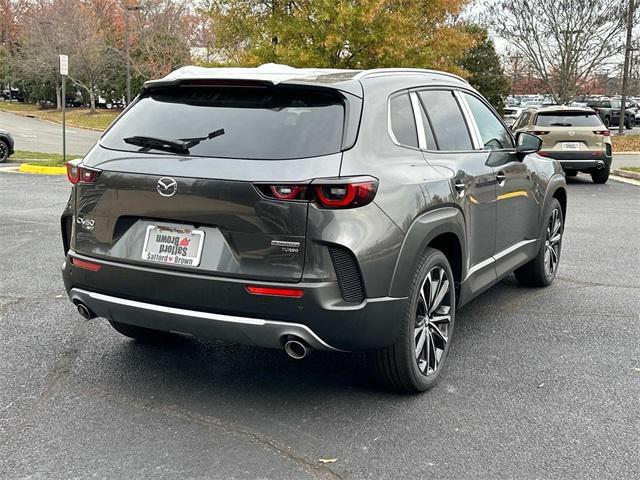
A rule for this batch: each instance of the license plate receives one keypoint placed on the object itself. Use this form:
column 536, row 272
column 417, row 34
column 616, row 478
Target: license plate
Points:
column 571, row 146
column 173, row 246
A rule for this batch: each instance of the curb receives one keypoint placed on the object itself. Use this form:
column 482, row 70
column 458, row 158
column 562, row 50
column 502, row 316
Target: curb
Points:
column 626, row 153
column 32, row 168
column 626, row 174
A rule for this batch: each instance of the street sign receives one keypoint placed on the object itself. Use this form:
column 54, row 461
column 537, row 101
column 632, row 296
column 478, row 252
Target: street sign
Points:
column 64, row 65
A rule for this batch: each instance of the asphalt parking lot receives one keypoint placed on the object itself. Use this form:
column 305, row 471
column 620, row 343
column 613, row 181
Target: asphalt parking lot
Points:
column 540, row 383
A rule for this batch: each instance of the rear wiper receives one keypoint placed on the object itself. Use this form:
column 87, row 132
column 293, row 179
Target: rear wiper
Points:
column 192, row 142
column 559, row 124
column 148, row 143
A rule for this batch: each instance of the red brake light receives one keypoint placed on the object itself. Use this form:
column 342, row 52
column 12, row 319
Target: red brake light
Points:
column 275, row 292
column 327, row 193
column 346, row 195
column 606, row 133
column 76, row 173
column 94, row 267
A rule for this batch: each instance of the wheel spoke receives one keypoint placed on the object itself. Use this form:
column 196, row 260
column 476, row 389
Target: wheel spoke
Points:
column 432, row 353
column 444, row 289
column 420, row 342
column 440, row 319
column 438, row 333
column 555, row 239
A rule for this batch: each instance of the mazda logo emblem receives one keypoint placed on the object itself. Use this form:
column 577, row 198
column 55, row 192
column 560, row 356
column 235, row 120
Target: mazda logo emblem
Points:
column 571, row 133
column 167, row 187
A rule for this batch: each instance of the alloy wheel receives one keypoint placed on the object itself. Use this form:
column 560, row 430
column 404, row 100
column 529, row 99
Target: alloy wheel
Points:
column 552, row 243
column 4, row 151
column 433, row 321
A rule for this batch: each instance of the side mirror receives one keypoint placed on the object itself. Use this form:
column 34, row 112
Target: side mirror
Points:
column 527, row 143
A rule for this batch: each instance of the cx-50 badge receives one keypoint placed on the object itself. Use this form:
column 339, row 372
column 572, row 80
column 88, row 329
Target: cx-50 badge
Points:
column 167, row 187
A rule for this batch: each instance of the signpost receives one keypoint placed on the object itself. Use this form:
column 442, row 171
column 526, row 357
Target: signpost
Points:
column 64, row 71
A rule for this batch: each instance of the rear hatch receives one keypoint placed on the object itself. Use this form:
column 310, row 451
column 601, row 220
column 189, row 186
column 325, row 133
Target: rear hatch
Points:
column 571, row 131
column 182, row 176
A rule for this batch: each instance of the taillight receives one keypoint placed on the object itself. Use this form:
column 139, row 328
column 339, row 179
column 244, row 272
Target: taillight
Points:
column 606, row 133
column 539, row 132
column 349, row 195
column 76, row 173
column 326, row 193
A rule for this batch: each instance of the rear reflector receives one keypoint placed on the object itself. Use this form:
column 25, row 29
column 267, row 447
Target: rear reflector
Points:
column 538, row 132
column 275, row 292
column 606, row 133
column 94, row 267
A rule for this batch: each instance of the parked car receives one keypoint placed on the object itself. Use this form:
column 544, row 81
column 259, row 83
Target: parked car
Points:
column 6, row 145
column 511, row 114
column 609, row 112
column 306, row 209
column 15, row 95
column 574, row 136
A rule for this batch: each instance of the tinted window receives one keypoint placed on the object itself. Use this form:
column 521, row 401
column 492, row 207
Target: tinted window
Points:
column 493, row 133
column 403, row 123
column 449, row 127
column 568, row 119
column 258, row 123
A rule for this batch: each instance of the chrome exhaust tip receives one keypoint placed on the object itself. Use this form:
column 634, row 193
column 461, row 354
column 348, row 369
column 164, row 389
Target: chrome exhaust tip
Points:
column 296, row 349
column 84, row 312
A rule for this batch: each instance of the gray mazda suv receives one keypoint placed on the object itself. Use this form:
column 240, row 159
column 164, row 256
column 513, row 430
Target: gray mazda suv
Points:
column 305, row 209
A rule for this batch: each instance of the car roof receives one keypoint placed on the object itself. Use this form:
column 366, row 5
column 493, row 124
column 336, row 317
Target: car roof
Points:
column 272, row 73
column 565, row 109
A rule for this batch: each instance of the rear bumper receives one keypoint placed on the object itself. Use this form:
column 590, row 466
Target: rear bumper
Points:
column 579, row 160
column 221, row 308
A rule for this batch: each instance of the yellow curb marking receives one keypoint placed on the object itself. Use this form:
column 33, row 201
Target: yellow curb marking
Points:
column 31, row 168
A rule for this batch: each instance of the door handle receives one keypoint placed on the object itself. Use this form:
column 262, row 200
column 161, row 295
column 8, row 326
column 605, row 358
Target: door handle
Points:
column 501, row 178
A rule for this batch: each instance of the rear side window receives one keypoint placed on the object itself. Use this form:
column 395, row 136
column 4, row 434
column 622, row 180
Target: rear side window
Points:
column 568, row 119
column 446, row 120
column 232, row 122
column 403, row 123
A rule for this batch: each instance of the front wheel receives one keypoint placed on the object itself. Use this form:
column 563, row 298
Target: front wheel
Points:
column 541, row 270
column 416, row 359
column 606, row 121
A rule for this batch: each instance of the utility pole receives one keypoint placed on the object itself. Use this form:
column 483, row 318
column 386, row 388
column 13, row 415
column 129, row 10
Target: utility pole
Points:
column 127, row 9
column 625, row 72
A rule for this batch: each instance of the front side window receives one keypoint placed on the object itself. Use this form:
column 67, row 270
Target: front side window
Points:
column 493, row 133
column 403, row 124
column 446, row 119
column 231, row 122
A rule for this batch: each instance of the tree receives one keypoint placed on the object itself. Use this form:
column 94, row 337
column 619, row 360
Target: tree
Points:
column 564, row 40
column 341, row 33
column 484, row 70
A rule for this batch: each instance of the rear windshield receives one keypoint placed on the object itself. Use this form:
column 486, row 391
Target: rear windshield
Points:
column 568, row 119
column 232, row 122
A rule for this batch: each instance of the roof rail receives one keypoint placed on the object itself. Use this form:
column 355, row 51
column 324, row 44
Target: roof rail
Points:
column 384, row 71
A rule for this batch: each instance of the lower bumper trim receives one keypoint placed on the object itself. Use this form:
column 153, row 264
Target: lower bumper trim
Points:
column 246, row 330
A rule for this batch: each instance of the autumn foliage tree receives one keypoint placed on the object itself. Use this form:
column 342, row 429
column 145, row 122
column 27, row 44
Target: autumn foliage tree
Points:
column 341, row 33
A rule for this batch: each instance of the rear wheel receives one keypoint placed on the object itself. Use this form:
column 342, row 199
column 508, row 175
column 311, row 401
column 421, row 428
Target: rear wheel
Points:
column 630, row 123
column 600, row 176
column 541, row 271
column 4, row 151
column 606, row 121
column 146, row 335
column 415, row 361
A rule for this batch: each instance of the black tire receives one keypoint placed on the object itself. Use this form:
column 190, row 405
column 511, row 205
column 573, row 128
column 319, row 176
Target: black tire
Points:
column 145, row 335
column 606, row 121
column 536, row 273
column 4, row 151
column 600, row 176
column 399, row 366
column 571, row 173
column 630, row 123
